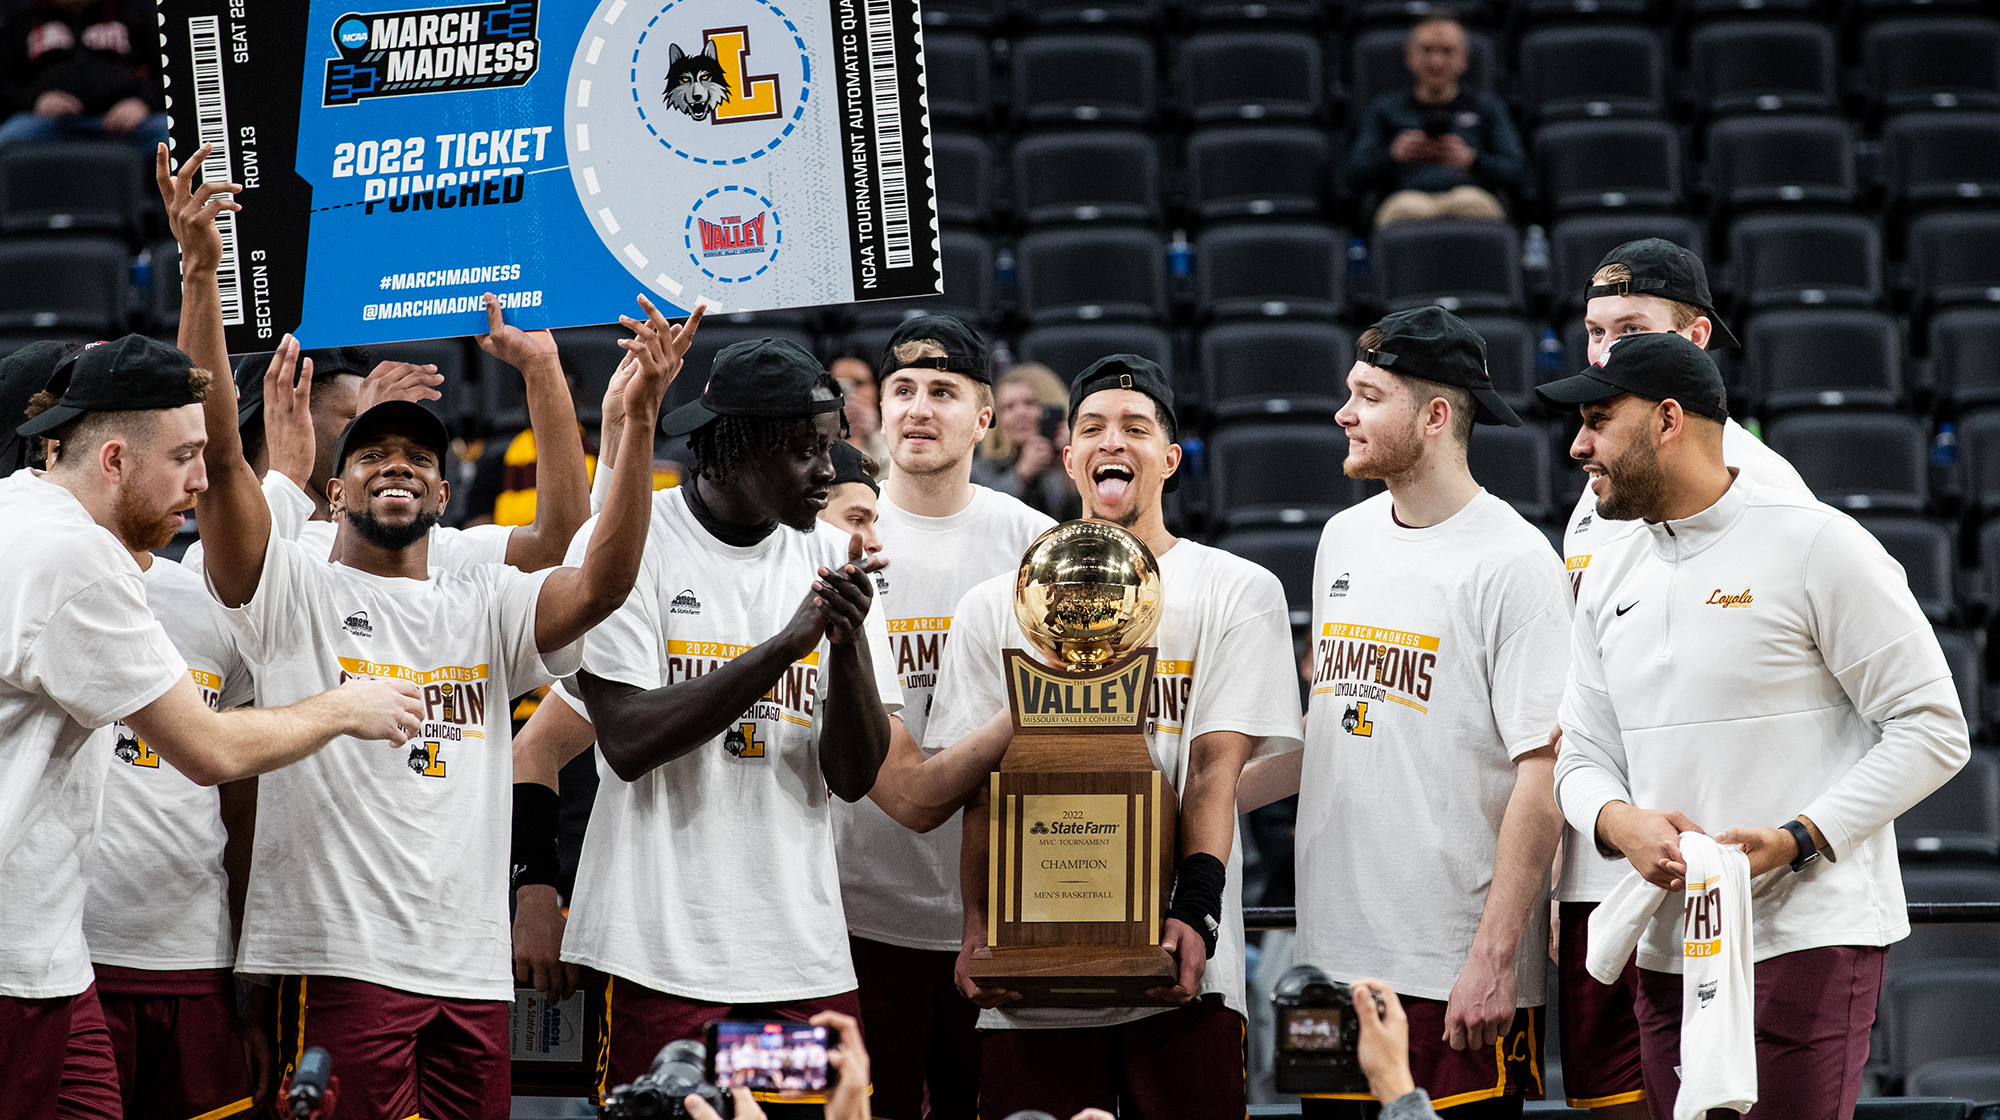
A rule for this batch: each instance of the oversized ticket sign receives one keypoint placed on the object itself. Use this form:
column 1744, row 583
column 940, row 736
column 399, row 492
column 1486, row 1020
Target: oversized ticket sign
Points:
column 399, row 161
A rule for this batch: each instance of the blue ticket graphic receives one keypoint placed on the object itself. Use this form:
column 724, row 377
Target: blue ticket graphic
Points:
column 400, row 161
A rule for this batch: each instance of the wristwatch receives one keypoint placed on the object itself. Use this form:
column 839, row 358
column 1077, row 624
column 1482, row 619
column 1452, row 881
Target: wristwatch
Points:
column 1808, row 851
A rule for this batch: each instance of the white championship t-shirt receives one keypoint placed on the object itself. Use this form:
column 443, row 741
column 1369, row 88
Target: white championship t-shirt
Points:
column 1587, row 875
column 1225, row 664
column 380, row 863
column 78, row 651
column 454, row 550
column 712, row 876
column 1437, row 660
column 159, row 898
column 901, row 887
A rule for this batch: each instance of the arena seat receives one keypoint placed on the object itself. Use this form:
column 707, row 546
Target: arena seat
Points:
column 1086, row 177
column 1512, row 348
column 1594, row 71
column 1577, row 243
column 1941, row 1011
column 1275, row 368
column 1085, row 78
column 60, row 285
column 1781, row 161
column 1763, row 66
column 1928, row 552
column 1933, row 158
column 1955, row 258
column 1858, row 460
column 1069, row 348
column 963, row 163
column 958, row 78
column 1609, row 165
column 1378, row 67
column 1287, row 553
column 1965, row 356
column 1975, row 1079
column 1256, row 13
column 1932, row 62
column 1968, row 675
column 1135, row 14
column 1092, row 273
column 1979, row 466
column 1279, row 474
column 1513, row 465
column 163, row 293
column 1257, row 172
column 967, row 264
column 1813, row 358
column 1961, row 820
column 1276, row 271
column 81, row 187
column 1252, row 76
column 968, row 15
column 1460, row 265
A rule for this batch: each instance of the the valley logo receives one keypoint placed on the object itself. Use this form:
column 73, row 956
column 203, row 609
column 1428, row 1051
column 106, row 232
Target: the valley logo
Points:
column 358, row 625
column 685, row 603
column 432, row 50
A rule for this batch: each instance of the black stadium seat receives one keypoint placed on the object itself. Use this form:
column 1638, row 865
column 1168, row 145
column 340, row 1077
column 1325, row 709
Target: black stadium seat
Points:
column 1252, row 76
column 1610, row 165
column 1955, row 258
column 1781, row 161
column 1941, row 157
column 1287, row 553
column 969, row 15
column 1961, row 819
column 1965, row 355
column 967, row 260
column 70, row 187
column 1378, row 65
column 1928, row 62
column 1082, row 78
column 1459, row 265
column 1593, row 71
column 1942, row 1011
column 1830, row 260
column 1953, row 942
column 1979, row 462
column 1069, row 348
column 1091, row 13
column 1092, row 273
column 1512, row 347
column 1578, row 243
column 963, row 163
column 64, row 284
column 1814, row 358
column 1975, row 1079
column 163, row 296
column 1276, row 369
column 1257, row 172
column 1968, row 675
column 958, row 78
column 1291, row 270
column 1513, row 464
column 1218, row 13
column 1928, row 552
column 1087, row 177
column 1764, row 66
column 1279, row 474
column 1858, row 460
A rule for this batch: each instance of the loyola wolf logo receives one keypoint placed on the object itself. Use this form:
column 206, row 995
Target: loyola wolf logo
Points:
column 714, row 85
column 696, row 83
column 1356, row 721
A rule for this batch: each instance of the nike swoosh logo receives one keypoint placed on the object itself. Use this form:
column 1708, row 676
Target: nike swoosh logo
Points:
column 1627, row 607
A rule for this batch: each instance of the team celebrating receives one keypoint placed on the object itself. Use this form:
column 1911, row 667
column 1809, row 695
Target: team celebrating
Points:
column 270, row 797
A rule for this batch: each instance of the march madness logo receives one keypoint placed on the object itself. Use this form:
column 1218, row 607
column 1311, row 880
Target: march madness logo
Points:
column 432, row 50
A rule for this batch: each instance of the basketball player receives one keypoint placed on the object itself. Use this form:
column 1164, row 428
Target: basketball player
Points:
column 84, row 652
column 900, row 887
column 1440, row 618
column 851, row 505
column 378, row 885
column 1765, row 677
column 23, row 374
column 736, row 689
column 1224, row 691
column 1640, row 287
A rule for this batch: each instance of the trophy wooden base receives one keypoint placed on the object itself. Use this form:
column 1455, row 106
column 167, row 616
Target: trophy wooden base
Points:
column 1078, row 975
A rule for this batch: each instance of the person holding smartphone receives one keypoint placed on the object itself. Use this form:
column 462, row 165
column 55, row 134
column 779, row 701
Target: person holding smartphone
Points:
column 847, row 1060
column 1022, row 458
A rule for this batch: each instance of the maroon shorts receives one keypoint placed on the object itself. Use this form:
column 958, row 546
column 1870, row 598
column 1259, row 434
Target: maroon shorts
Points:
column 1600, row 1029
column 923, row 1042
column 1184, row 1064
column 176, row 1039
column 1510, row 1069
column 58, row 1060
column 398, row 1054
column 639, row 1020
column 1814, row 1009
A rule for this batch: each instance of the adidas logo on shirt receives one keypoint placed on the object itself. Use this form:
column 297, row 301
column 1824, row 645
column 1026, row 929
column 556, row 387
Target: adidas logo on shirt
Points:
column 357, row 624
column 685, row 603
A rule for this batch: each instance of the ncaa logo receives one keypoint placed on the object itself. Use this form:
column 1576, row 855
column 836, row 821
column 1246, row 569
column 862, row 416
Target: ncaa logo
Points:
column 352, row 34
column 732, row 234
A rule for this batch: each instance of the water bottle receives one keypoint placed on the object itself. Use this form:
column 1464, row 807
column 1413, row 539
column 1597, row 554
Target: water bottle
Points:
column 1535, row 252
column 1549, row 356
column 1180, row 257
column 1194, row 458
column 142, row 270
column 1944, row 451
column 1357, row 264
column 1003, row 270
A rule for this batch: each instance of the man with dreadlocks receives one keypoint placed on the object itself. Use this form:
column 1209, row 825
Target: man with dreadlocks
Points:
column 744, row 678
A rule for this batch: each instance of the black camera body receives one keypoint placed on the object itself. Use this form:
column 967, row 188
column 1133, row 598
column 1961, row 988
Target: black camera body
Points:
column 679, row 1070
column 1317, row 1034
column 1437, row 120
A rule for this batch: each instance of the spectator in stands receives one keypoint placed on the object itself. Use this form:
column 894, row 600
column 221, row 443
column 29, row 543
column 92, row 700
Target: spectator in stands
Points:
column 1438, row 148
column 1022, row 455
column 81, row 68
column 864, row 406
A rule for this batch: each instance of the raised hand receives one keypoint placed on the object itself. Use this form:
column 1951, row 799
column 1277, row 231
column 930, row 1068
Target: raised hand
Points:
column 510, row 344
column 843, row 597
column 657, row 346
column 191, row 209
column 288, row 425
column 398, row 381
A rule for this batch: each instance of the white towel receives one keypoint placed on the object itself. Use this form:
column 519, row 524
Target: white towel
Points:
column 1718, row 985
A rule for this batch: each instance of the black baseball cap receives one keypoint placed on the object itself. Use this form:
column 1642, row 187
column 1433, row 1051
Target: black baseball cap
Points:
column 1655, row 366
column 849, row 465
column 1435, row 345
column 131, row 374
column 1128, row 371
column 24, row 373
column 964, row 350
column 767, row 377
column 406, row 418
column 1664, row 269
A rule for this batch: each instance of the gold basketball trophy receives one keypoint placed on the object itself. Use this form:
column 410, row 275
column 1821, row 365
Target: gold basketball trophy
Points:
column 1081, row 826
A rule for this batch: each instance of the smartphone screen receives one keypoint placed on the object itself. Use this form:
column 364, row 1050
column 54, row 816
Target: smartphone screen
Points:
column 766, row 1056
column 1312, row 1028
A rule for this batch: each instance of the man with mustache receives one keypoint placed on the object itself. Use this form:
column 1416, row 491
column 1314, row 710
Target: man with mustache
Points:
column 1750, row 662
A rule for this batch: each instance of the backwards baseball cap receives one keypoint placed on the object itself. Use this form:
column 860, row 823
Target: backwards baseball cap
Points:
column 1435, row 345
column 24, row 373
column 762, row 377
column 964, row 350
column 1128, row 371
column 404, row 418
column 131, row 374
column 1661, row 268
column 1655, row 366
column 849, row 465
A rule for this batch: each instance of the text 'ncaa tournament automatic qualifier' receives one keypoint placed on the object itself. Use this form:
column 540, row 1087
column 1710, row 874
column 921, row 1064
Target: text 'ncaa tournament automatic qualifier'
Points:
column 399, row 161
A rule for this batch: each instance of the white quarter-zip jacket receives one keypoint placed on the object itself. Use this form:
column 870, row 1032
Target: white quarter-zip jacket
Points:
column 1761, row 660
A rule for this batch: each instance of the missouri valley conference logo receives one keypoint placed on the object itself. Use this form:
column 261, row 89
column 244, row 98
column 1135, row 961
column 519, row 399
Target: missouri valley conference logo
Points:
column 732, row 234
column 432, row 50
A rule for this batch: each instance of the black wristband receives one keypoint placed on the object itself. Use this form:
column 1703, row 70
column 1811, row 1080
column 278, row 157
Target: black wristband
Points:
column 535, row 812
column 1197, row 898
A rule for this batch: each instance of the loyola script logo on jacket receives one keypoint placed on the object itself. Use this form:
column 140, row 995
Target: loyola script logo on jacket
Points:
column 1721, row 598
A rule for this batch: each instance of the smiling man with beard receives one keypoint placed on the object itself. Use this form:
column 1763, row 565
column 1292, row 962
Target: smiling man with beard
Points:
column 1223, row 692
